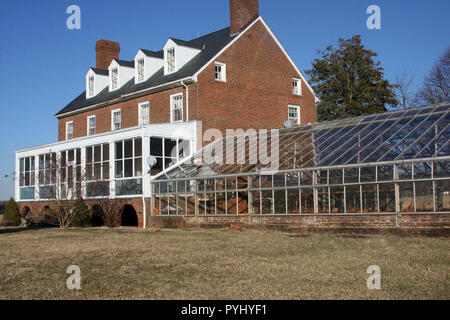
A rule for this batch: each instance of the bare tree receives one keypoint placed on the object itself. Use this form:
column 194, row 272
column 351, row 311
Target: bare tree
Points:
column 436, row 86
column 61, row 182
column 404, row 83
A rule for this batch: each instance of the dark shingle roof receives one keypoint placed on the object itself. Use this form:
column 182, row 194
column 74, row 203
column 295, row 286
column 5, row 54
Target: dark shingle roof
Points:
column 149, row 53
column 189, row 44
column 124, row 63
column 211, row 44
column 102, row 72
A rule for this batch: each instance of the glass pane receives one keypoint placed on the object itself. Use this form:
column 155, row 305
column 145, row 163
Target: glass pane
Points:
column 128, row 148
column 368, row 174
column 442, row 195
column 322, row 200
column 280, row 201
column 105, row 152
column 190, row 205
column 156, row 147
column 352, row 194
column 422, row 170
column 243, row 202
column 337, row 199
column 351, row 175
column 404, row 171
column 128, row 168
column 97, row 153
column 118, row 147
column 441, row 169
column 306, row 178
column 387, row 197
column 267, row 203
column 385, row 173
column 137, row 167
column 119, row 169
column 137, row 147
column 220, row 203
column 307, row 197
column 424, row 196
column 256, row 202
column 231, row 203
column 369, row 198
column 406, row 197
column 335, row 176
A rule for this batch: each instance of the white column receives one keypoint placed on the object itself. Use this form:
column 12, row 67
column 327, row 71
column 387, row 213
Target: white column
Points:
column 111, row 170
column 83, row 171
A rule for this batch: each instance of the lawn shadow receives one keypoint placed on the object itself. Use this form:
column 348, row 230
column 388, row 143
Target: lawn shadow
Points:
column 20, row 229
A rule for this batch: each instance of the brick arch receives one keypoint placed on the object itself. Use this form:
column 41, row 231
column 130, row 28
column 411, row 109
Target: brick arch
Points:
column 129, row 216
column 97, row 215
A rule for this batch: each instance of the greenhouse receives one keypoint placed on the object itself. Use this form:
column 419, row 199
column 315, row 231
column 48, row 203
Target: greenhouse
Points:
column 387, row 163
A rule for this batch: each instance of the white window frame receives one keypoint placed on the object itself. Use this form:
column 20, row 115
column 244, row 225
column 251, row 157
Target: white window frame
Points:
column 67, row 130
column 222, row 73
column 140, row 73
column 174, row 60
column 297, row 90
column 116, row 83
column 172, row 97
column 113, row 128
column 91, row 84
column 140, row 106
column 89, row 123
column 298, row 113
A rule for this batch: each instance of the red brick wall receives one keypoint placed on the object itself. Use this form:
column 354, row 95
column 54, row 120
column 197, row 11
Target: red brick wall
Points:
column 258, row 88
column 256, row 95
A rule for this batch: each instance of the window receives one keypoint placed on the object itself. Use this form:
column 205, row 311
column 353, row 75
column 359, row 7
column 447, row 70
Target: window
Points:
column 69, row 172
column 144, row 113
column 140, row 69
column 47, row 175
column 26, row 178
column 171, row 60
column 294, row 114
column 297, row 87
column 69, row 130
column 176, row 107
column 91, row 86
column 97, row 170
column 91, row 123
column 114, row 78
column 116, row 120
column 220, row 72
column 128, row 159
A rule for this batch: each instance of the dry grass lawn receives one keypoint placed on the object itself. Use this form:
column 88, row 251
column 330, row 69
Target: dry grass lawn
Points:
column 129, row 263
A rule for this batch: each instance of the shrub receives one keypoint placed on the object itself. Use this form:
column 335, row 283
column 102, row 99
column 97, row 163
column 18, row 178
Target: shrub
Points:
column 67, row 213
column 11, row 213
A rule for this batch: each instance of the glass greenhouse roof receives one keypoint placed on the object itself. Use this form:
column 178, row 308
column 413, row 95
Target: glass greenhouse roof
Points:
column 401, row 135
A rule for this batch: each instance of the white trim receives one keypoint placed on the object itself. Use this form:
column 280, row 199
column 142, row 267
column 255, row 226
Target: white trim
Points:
column 87, row 125
column 69, row 122
column 171, row 107
column 140, row 112
column 298, row 112
column 223, row 71
column 112, row 119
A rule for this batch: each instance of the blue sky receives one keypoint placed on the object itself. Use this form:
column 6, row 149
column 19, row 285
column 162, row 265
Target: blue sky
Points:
column 43, row 64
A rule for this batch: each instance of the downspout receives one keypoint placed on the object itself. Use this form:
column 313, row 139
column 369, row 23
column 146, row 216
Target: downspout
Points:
column 187, row 100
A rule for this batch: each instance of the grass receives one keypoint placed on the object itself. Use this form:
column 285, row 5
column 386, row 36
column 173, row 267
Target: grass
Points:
column 131, row 263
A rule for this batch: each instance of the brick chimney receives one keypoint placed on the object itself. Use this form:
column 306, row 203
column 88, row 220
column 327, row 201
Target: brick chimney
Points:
column 106, row 51
column 241, row 12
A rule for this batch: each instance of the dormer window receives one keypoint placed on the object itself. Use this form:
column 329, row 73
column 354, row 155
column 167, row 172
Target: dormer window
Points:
column 170, row 60
column 114, row 78
column 140, row 70
column 297, row 87
column 91, row 86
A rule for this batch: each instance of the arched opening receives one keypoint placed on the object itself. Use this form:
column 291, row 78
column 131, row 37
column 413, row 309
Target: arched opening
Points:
column 26, row 213
column 129, row 216
column 97, row 216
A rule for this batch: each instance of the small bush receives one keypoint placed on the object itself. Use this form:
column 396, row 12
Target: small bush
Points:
column 82, row 217
column 11, row 213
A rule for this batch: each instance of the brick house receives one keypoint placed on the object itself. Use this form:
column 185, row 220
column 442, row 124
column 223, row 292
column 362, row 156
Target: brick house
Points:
column 160, row 104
